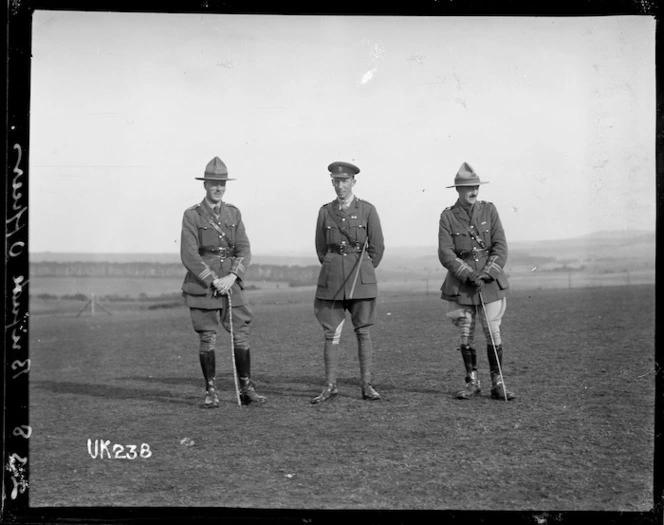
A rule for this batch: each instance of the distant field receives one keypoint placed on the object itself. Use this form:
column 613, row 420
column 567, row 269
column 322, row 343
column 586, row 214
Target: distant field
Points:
column 110, row 286
column 155, row 287
column 580, row 436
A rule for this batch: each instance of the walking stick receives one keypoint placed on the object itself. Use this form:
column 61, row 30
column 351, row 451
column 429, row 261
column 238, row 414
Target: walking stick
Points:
column 493, row 345
column 230, row 319
column 359, row 263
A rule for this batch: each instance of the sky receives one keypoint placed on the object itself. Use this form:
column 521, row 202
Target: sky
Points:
column 557, row 114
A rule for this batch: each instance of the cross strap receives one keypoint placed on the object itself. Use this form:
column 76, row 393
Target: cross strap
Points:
column 341, row 227
column 475, row 237
column 210, row 219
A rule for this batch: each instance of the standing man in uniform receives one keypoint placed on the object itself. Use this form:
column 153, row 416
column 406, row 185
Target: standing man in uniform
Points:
column 349, row 245
column 216, row 252
column 473, row 249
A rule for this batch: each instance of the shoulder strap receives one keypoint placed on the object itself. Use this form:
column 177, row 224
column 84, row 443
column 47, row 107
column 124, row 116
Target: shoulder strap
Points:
column 475, row 237
column 336, row 220
column 205, row 213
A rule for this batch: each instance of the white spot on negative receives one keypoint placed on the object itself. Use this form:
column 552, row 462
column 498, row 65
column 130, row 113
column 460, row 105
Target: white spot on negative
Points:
column 368, row 76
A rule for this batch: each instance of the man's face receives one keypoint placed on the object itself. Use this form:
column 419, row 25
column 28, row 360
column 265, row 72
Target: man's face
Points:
column 468, row 194
column 343, row 187
column 215, row 189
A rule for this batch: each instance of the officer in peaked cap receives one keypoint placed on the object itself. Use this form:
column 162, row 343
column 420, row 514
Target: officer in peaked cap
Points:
column 349, row 245
column 473, row 249
column 215, row 250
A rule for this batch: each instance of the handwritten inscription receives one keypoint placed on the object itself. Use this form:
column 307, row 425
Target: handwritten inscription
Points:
column 25, row 431
column 17, row 221
column 16, row 467
column 16, row 322
column 104, row 449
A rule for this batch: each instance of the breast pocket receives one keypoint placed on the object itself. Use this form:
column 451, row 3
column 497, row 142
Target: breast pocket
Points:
column 359, row 231
column 208, row 236
column 462, row 241
column 229, row 232
column 485, row 234
column 332, row 235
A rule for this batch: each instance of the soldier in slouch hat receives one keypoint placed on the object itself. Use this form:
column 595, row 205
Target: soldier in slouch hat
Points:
column 473, row 249
column 349, row 245
column 215, row 250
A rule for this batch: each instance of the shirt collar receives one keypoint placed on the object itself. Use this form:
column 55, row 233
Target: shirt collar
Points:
column 345, row 203
column 211, row 205
column 468, row 210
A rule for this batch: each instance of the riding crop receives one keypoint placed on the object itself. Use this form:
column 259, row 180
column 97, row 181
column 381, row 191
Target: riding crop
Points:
column 230, row 320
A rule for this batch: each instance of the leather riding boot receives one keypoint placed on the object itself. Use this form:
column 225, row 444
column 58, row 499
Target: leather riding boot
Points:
column 248, row 393
column 469, row 355
column 472, row 387
column 498, row 390
column 208, row 366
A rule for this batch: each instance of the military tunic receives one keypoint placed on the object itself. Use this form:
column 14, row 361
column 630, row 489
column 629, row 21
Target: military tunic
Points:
column 461, row 254
column 339, row 255
column 212, row 247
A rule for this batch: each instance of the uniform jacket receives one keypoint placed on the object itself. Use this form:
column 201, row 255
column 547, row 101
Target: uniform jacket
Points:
column 199, row 239
column 460, row 254
column 338, row 270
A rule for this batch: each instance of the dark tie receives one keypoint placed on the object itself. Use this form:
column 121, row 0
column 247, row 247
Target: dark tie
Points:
column 216, row 210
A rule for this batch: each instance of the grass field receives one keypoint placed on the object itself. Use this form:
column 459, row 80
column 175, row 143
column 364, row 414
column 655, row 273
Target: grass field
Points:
column 580, row 435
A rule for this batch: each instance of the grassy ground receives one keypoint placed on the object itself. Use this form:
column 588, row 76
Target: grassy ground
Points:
column 579, row 436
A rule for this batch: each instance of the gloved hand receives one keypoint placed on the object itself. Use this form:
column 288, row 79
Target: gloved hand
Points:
column 473, row 276
column 475, row 280
column 478, row 284
column 486, row 277
column 223, row 285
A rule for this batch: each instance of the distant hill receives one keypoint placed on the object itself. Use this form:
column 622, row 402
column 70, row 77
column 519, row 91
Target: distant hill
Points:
column 161, row 258
column 603, row 247
column 596, row 248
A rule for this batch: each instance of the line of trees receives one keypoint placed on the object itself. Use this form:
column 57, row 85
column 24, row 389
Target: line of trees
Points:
column 294, row 275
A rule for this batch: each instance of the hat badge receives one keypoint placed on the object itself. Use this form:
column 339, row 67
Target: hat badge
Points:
column 343, row 170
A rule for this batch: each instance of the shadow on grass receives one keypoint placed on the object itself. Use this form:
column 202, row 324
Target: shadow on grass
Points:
column 279, row 385
column 110, row 391
column 289, row 385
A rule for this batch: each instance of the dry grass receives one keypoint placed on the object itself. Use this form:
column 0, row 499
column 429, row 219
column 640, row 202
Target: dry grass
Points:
column 580, row 436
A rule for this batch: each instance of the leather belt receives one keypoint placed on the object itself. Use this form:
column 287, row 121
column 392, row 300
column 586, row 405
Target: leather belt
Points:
column 343, row 248
column 472, row 253
column 211, row 250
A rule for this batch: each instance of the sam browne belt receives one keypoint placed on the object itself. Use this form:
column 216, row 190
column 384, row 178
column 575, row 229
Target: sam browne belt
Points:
column 214, row 250
column 471, row 253
column 343, row 248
